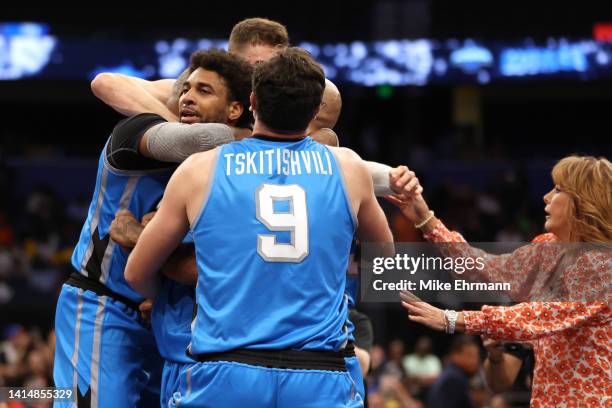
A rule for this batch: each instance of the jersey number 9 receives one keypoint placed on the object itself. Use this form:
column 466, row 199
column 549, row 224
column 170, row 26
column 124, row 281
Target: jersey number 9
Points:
column 295, row 221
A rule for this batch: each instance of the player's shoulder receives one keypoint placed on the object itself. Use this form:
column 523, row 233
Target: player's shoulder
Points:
column 348, row 158
column 344, row 153
column 198, row 162
column 203, row 157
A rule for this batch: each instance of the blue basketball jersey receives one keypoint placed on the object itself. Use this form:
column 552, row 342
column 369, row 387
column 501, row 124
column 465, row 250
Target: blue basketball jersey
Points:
column 352, row 277
column 171, row 317
column 171, row 320
column 96, row 256
column 272, row 245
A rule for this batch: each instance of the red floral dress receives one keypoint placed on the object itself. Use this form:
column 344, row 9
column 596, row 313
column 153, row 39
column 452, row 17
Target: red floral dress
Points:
column 572, row 341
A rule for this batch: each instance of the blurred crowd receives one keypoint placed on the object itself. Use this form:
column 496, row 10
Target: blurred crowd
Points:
column 401, row 375
column 418, row 376
column 26, row 360
column 37, row 234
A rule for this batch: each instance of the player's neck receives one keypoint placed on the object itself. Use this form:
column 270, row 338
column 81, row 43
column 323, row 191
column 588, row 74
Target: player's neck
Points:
column 261, row 129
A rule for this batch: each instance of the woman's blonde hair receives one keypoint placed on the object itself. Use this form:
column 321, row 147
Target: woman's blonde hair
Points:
column 588, row 180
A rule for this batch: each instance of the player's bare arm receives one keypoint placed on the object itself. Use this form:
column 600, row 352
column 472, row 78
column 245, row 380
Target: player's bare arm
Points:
column 373, row 226
column 178, row 208
column 130, row 95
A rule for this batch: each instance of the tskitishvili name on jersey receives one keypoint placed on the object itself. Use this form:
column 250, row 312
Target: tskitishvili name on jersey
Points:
column 278, row 162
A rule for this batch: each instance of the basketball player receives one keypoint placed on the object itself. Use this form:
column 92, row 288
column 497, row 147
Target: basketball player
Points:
column 272, row 242
column 255, row 39
column 172, row 310
column 104, row 351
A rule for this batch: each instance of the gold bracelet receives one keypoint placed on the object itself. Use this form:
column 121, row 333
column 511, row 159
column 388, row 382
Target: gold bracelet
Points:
column 425, row 221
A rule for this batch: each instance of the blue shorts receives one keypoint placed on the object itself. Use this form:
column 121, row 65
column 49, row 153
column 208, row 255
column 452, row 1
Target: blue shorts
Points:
column 170, row 383
column 104, row 353
column 354, row 369
column 231, row 384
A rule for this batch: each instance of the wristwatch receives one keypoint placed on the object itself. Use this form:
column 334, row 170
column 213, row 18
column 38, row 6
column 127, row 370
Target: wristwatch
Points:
column 450, row 316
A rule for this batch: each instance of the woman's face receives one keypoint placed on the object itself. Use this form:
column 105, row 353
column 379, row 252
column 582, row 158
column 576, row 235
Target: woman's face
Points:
column 557, row 219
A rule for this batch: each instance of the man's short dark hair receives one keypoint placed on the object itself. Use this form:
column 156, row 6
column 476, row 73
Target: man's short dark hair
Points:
column 256, row 31
column 288, row 89
column 236, row 73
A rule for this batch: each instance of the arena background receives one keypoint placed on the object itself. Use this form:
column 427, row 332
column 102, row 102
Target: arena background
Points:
column 481, row 138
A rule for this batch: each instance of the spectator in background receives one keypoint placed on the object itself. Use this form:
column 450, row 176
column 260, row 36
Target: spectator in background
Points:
column 385, row 380
column 6, row 231
column 392, row 393
column 509, row 368
column 26, row 359
column 499, row 401
column 422, row 367
column 377, row 365
column 13, row 353
column 37, row 369
column 394, row 365
column 452, row 388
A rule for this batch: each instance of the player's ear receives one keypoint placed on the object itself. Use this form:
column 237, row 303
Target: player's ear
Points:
column 235, row 110
column 253, row 102
column 316, row 112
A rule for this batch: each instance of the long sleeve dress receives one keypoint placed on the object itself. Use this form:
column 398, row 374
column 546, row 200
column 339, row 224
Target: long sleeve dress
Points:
column 572, row 341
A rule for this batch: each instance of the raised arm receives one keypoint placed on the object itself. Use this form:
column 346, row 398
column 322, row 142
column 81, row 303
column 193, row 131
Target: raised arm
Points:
column 138, row 139
column 589, row 275
column 372, row 223
column 521, row 322
column 373, row 226
column 130, row 95
column 381, row 177
column 532, row 320
column 174, row 142
column 521, row 268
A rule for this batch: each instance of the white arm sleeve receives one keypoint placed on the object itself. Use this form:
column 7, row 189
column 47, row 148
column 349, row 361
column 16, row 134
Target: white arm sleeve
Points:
column 174, row 142
column 380, row 177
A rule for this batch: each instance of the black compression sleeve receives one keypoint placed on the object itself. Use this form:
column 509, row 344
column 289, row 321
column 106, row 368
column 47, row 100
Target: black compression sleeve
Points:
column 364, row 333
column 122, row 150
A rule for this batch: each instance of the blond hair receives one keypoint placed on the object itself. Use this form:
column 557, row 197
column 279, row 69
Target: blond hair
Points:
column 588, row 181
column 257, row 31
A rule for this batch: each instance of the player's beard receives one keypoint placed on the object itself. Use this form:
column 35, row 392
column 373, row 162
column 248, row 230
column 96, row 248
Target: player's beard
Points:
column 214, row 117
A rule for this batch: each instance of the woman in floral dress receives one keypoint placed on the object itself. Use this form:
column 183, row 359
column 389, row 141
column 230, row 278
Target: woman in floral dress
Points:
column 572, row 340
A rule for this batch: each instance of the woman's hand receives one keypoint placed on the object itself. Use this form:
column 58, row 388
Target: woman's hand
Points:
column 430, row 316
column 424, row 313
